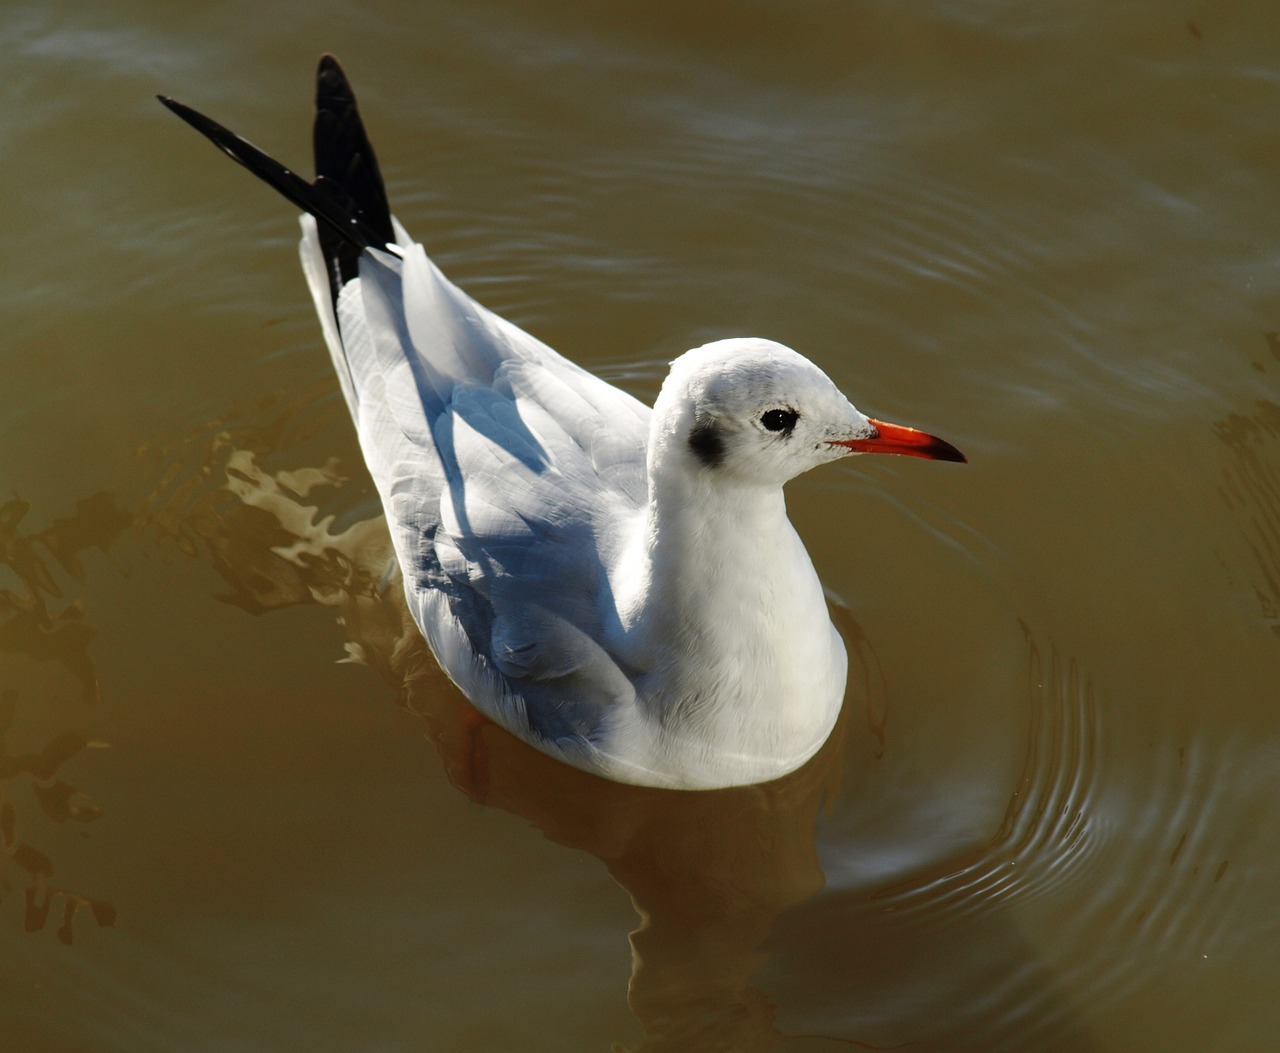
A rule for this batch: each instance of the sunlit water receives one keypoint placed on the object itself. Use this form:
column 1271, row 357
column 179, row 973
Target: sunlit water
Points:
column 1045, row 231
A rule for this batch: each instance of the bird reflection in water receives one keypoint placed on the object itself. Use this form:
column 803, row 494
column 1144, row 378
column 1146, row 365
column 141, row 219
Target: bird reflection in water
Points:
column 41, row 731
column 708, row 872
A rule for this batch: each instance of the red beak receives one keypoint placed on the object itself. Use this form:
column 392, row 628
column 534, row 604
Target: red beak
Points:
column 894, row 438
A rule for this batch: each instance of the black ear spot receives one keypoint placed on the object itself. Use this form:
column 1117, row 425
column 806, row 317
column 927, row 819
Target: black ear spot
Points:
column 780, row 419
column 706, row 441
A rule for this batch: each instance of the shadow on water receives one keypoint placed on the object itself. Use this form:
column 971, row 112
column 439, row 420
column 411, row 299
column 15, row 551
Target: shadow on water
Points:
column 710, row 873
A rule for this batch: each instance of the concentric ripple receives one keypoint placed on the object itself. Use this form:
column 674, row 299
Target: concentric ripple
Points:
column 1112, row 868
column 1043, row 837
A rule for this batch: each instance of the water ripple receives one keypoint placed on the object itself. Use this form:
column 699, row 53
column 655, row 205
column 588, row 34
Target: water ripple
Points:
column 1042, row 839
column 1115, row 866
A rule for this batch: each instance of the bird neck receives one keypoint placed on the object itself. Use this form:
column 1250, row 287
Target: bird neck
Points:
column 702, row 541
column 722, row 563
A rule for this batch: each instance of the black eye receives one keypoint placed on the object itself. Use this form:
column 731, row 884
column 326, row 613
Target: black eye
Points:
column 780, row 419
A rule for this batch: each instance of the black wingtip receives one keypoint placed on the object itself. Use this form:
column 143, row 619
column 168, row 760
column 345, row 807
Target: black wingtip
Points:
column 326, row 201
column 226, row 141
column 347, row 166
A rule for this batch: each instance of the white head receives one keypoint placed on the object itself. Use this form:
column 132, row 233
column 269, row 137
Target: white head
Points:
column 754, row 411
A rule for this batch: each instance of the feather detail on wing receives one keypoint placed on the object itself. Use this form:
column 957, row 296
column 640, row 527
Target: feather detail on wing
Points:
column 505, row 471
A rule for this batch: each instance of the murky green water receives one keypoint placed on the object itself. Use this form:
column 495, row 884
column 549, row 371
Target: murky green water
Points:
column 1046, row 231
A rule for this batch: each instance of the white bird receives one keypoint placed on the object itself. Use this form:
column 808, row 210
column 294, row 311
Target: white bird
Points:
column 617, row 586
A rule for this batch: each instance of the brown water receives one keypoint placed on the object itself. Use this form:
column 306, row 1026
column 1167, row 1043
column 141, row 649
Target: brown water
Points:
column 1049, row 232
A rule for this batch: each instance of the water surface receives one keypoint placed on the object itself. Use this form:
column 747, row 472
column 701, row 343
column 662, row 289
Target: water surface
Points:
column 242, row 809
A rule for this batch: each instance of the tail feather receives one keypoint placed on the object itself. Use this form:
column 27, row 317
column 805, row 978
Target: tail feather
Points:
column 347, row 198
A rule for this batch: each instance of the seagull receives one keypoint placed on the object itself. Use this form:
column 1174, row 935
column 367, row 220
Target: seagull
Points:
column 618, row 586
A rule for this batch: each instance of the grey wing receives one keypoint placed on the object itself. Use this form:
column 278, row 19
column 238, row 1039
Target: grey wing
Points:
column 507, row 474
column 525, row 530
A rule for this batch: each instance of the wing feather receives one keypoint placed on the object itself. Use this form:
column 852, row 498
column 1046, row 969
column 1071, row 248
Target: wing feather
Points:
column 505, row 471
column 508, row 474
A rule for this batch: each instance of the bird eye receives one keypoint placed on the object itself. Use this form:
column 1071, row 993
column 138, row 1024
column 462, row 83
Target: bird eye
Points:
column 780, row 419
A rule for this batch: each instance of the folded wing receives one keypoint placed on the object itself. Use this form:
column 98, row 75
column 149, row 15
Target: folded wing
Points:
column 508, row 474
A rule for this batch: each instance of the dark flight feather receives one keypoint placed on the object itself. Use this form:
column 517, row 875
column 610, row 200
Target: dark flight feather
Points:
column 348, row 197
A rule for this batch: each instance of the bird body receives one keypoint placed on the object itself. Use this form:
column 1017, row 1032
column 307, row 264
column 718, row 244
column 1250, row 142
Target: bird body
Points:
column 620, row 587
